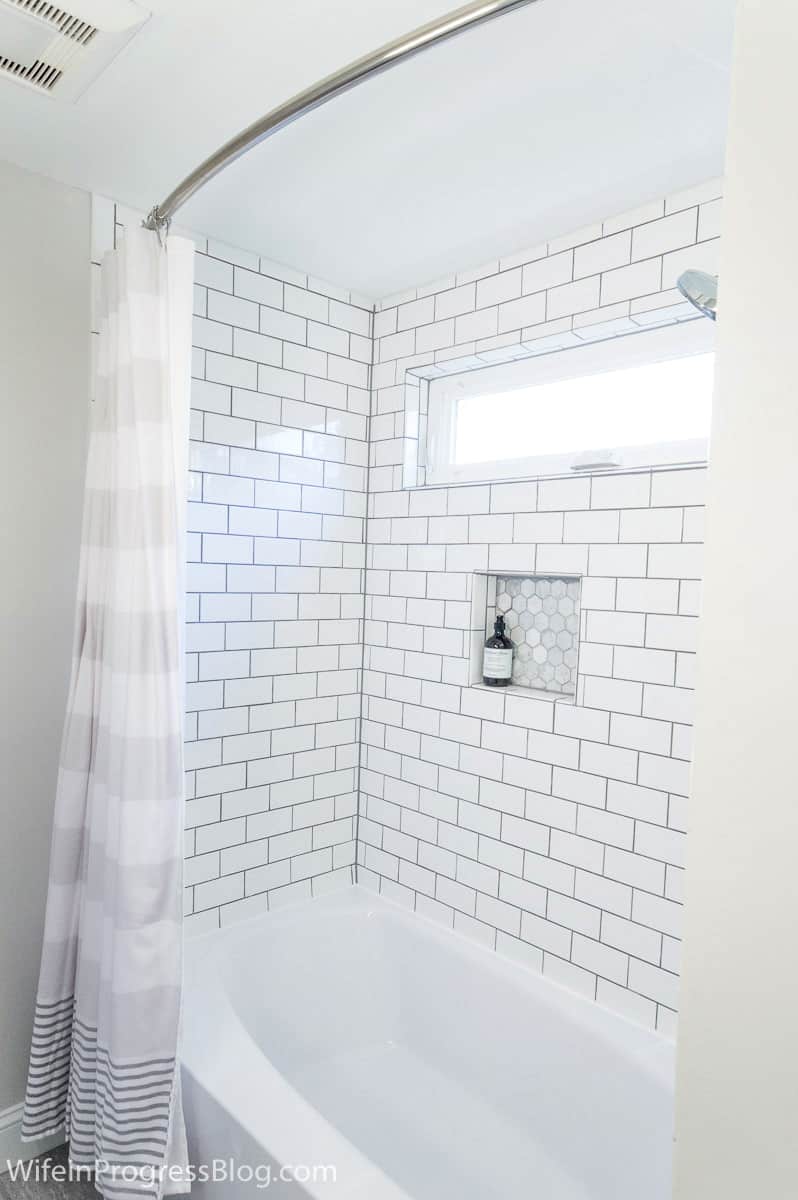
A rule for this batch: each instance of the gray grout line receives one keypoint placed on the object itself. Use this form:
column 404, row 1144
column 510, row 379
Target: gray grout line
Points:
column 365, row 571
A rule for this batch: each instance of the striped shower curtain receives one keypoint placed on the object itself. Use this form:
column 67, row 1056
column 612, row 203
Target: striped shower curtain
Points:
column 104, row 1064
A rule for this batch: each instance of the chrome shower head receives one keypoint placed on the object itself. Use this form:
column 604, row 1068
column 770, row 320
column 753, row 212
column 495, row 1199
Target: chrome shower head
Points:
column 701, row 290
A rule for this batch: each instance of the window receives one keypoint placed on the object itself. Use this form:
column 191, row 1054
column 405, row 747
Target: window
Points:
column 636, row 401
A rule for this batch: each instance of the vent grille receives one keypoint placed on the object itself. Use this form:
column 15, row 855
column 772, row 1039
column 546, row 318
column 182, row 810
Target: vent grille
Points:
column 71, row 36
column 47, row 48
column 63, row 22
column 38, row 74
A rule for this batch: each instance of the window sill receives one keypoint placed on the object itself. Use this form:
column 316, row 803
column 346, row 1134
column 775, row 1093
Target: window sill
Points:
column 493, row 477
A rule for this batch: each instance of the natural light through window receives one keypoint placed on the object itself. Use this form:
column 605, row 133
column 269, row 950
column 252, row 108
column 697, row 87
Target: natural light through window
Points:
column 639, row 406
column 631, row 402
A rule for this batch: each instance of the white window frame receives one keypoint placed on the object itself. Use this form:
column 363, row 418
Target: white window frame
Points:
column 637, row 349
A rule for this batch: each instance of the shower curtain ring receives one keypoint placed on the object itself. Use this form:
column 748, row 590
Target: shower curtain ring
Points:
column 160, row 225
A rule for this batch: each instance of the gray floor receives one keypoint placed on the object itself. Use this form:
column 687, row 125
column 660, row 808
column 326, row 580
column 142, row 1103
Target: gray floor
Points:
column 39, row 1189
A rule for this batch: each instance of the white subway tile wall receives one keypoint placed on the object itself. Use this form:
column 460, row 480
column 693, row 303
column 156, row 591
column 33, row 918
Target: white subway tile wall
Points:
column 552, row 833
column 279, row 425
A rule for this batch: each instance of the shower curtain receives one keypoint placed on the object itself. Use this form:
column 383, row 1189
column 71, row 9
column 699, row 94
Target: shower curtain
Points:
column 104, row 1063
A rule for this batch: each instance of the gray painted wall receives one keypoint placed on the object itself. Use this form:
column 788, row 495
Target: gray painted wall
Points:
column 44, row 371
column 736, row 1087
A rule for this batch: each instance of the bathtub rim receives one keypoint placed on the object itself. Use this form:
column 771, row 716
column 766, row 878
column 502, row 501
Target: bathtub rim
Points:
column 651, row 1045
column 650, row 1053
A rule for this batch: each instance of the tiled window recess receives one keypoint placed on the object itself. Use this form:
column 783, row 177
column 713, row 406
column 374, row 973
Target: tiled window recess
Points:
column 541, row 615
column 606, row 281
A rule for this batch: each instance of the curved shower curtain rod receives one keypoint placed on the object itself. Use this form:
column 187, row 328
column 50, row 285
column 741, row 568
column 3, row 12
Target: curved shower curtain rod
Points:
column 336, row 84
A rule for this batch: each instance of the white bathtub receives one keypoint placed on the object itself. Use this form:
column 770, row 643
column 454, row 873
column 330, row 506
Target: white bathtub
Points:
column 347, row 1033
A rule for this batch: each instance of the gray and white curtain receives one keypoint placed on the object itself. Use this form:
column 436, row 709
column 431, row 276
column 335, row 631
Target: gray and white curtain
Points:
column 104, row 1057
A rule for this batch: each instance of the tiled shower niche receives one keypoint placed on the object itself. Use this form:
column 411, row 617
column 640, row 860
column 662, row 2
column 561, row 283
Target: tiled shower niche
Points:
column 541, row 615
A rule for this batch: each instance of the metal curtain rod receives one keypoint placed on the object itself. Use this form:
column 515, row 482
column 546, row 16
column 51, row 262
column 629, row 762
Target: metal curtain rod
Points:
column 336, row 84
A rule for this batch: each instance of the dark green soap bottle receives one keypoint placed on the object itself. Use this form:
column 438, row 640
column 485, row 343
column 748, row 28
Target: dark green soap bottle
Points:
column 497, row 662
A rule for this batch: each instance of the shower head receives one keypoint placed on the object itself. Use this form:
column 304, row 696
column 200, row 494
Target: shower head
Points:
column 701, row 290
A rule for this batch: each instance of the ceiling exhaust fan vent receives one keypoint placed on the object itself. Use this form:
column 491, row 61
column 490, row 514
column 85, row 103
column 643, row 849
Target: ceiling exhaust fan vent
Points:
column 60, row 51
column 66, row 24
column 38, row 74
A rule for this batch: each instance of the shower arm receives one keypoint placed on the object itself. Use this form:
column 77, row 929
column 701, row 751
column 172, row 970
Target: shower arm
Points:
column 357, row 72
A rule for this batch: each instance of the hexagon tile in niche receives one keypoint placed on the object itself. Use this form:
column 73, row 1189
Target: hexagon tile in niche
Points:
column 541, row 614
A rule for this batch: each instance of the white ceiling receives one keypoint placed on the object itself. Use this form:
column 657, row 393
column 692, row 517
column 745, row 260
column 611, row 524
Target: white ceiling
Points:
column 531, row 126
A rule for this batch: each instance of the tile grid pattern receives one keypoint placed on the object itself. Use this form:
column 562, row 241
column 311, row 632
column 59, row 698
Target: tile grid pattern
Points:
column 279, row 423
column 553, row 833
